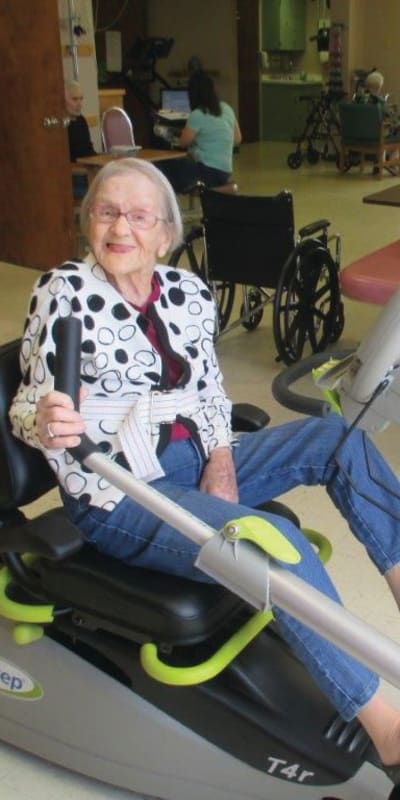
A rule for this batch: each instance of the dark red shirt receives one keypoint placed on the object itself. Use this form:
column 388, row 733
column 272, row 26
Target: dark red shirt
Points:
column 174, row 368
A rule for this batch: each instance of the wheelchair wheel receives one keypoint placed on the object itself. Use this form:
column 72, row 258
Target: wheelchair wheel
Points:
column 191, row 253
column 338, row 324
column 306, row 303
column 294, row 160
column 224, row 294
column 254, row 299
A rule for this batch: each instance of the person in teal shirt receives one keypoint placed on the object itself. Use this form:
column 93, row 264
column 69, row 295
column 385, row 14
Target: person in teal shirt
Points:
column 210, row 134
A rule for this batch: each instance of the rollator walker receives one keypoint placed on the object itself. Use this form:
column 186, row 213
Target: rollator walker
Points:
column 157, row 684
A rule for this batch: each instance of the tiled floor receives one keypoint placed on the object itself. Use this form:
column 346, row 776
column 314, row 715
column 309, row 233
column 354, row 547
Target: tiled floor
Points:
column 248, row 361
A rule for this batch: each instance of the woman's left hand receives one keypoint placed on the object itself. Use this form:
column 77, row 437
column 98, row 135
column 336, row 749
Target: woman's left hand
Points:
column 219, row 476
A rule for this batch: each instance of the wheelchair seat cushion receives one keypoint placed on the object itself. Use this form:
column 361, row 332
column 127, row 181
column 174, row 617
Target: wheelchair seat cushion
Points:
column 142, row 604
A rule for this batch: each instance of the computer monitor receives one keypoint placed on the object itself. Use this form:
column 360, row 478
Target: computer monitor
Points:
column 175, row 100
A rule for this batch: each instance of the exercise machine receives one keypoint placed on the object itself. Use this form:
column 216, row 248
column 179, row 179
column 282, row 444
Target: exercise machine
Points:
column 156, row 684
column 363, row 384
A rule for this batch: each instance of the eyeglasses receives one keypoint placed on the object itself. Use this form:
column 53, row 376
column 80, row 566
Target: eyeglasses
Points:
column 139, row 220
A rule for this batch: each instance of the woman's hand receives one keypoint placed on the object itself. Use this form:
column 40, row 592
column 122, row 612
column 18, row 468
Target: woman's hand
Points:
column 219, row 477
column 58, row 424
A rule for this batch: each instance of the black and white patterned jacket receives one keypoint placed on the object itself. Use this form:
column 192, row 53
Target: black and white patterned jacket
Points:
column 124, row 374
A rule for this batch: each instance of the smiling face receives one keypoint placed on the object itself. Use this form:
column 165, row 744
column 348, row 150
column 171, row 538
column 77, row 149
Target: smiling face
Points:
column 127, row 254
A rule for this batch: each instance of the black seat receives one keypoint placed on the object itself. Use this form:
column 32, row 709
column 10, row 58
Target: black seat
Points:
column 151, row 604
column 255, row 235
column 105, row 593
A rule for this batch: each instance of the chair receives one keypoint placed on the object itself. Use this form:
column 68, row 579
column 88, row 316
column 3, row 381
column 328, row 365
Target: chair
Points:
column 251, row 241
column 116, row 129
column 365, row 132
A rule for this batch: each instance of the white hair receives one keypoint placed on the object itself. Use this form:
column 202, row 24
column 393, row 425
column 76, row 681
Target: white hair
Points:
column 72, row 85
column 374, row 81
column 131, row 167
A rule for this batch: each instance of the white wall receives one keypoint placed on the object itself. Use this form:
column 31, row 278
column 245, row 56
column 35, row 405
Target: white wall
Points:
column 206, row 29
column 87, row 66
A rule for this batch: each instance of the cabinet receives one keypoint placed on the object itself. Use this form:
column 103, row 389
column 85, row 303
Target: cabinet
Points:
column 283, row 24
column 283, row 111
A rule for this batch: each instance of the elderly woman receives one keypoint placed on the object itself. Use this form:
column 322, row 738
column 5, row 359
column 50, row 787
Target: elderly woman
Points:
column 152, row 397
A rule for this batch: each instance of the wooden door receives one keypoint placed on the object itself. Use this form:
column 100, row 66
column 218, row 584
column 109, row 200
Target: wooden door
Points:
column 36, row 211
column 247, row 14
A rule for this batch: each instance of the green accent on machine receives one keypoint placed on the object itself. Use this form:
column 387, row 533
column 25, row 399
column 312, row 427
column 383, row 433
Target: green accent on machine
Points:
column 326, row 377
column 264, row 535
column 322, row 544
column 198, row 673
column 27, row 634
column 271, row 541
column 21, row 612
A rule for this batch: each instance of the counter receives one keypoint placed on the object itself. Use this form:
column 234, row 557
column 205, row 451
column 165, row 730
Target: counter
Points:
column 291, row 80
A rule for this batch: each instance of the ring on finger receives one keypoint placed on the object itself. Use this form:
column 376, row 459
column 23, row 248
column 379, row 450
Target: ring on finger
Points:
column 50, row 432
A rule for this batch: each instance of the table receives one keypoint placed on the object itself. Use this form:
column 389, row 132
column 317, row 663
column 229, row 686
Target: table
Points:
column 386, row 197
column 376, row 276
column 94, row 163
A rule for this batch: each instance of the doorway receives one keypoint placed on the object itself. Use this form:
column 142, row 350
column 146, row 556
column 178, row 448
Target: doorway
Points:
column 247, row 20
column 36, row 215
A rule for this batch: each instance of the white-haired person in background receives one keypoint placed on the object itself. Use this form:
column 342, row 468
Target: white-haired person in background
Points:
column 372, row 93
column 373, row 87
column 79, row 141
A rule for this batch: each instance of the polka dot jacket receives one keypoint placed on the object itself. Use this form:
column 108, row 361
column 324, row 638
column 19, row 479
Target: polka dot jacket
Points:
column 120, row 368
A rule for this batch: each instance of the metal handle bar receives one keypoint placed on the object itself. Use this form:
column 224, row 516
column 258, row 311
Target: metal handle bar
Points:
column 286, row 396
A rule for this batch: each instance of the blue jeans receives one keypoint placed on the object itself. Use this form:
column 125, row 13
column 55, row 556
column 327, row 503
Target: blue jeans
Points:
column 269, row 463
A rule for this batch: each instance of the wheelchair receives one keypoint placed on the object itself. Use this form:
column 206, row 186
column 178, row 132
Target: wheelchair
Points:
column 249, row 241
column 76, row 657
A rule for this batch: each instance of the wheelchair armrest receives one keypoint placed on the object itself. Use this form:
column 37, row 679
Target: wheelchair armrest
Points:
column 246, row 417
column 50, row 535
column 313, row 227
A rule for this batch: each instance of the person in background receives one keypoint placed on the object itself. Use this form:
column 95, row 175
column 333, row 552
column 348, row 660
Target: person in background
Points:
column 371, row 92
column 152, row 398
column 79, row 141
column 210, row 134
column 211, row 131
column 373, row 85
